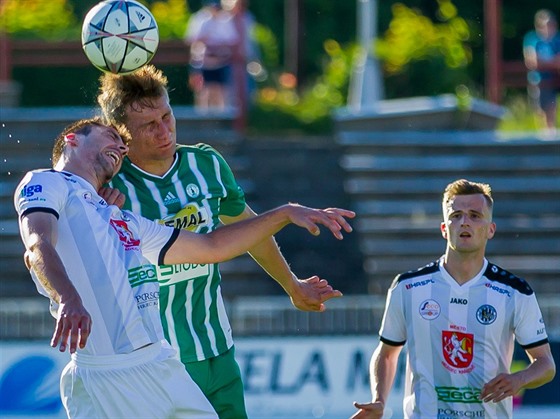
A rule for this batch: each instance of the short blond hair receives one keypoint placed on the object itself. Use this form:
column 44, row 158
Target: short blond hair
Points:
column 466, row 187
column 118, row 91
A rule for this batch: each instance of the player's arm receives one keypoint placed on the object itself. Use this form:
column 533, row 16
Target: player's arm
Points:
column 306, row 294
column 540, row 371
column 39, row 234
column 530, row 57
column 235, row 239
column 382, row 369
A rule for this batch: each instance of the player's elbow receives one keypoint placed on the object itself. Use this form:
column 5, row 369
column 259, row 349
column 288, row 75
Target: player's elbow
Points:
column 548, row 372
column 551, row 372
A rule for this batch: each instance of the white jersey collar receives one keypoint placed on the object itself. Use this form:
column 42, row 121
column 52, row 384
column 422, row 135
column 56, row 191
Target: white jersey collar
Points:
column 447, row 277
column 175, row 160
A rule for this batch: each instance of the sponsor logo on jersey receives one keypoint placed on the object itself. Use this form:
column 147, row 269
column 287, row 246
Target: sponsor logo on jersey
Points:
column 458, row 394
column 456, row 413
column 189, row 218
column 29, row 190
column 88, row 197
column 173, row 274
column 419, row 284
column 142, row 274
column 497, row 289
column 457, row 327
column 486, row 314
column 458, row 351
column 462, row 301
column 125, row 235
column 170, row 199
column 429, row 309
column 147, row 299
column 192, row 190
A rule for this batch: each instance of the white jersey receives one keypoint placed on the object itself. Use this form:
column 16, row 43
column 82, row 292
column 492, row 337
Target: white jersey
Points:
column 109, row 255
column 459, row 337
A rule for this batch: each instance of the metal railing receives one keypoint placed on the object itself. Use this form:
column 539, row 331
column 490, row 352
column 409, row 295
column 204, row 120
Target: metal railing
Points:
column 24, row 319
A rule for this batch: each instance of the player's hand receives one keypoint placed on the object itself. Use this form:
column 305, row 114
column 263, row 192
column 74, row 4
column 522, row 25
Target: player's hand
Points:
column 311, row 293
column 332, row 218
column 74, row 323
column 500, row 387
column 112, row 196
column 368, row 410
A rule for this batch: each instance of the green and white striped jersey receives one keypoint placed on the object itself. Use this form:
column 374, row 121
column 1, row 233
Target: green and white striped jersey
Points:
column 196, row 190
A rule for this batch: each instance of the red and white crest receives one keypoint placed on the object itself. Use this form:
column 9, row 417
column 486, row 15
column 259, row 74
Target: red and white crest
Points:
column 125, row 235
column 458, row 348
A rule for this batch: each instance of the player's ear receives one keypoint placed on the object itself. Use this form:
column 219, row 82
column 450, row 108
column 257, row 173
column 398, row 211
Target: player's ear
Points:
column 443, row 229
column 491, row 230
column 70, row 139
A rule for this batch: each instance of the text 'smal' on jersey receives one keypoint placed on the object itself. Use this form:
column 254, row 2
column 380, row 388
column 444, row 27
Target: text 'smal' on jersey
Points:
column 190, row 218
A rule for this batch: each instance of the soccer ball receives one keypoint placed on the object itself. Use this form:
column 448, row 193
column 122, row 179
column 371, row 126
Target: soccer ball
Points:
column 119, row 36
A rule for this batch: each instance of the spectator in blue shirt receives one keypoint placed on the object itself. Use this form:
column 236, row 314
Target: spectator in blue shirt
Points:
column 541, row 52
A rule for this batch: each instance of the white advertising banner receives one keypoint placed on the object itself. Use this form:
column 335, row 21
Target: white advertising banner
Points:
column 312, row 377
column 295, row 377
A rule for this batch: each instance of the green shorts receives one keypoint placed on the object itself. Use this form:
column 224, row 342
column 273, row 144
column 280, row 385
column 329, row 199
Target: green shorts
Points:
column 219, row 378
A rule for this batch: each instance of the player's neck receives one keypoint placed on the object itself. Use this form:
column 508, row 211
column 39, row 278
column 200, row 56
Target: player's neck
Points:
column 463, row 267
column 154, row 167
column 83, row 172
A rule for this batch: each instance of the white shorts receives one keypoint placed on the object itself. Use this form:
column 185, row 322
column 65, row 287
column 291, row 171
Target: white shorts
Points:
column 148, row 383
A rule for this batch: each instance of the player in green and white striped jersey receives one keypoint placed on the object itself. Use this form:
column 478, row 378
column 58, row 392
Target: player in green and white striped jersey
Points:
column 191, row 187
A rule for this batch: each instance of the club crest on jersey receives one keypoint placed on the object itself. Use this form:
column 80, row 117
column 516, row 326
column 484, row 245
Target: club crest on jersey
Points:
column 192, row 190
column 188, row 218
column 486, row 314
column 429, row 309
column 458, row 351
column 125, row 235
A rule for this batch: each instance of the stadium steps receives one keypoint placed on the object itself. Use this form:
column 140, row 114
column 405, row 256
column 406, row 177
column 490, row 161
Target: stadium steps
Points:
column 302, row 169
column 395, row 181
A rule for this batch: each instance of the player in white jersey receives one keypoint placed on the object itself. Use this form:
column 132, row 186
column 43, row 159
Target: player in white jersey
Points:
column 97, row 263
column 458, row 317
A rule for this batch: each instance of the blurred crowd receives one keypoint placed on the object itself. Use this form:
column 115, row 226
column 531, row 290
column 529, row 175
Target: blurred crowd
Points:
column 222, row 47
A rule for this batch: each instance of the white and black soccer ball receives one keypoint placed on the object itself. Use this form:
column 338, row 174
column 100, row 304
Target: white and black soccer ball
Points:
column 119, row 36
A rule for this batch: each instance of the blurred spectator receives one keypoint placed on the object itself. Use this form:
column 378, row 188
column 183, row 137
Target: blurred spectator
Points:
column 541, row 52
column 248, row 58
column 212, row 37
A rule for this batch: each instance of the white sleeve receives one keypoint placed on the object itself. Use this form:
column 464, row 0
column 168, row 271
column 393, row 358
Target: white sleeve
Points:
column 529, row 327
column 155, row 237
column 45, row 190
column 393, row 326
column 194, row 26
